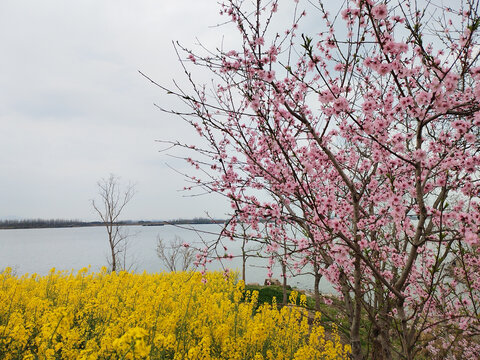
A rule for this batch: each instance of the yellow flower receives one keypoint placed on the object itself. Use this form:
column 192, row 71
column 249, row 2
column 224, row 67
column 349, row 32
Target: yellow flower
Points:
column 149, row 316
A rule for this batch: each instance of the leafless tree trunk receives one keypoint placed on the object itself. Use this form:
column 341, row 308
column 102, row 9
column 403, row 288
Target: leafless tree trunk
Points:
column 247, row 252
column 113, row 200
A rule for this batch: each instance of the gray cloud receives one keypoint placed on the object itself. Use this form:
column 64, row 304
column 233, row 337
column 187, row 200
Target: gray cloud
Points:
column 74, row 108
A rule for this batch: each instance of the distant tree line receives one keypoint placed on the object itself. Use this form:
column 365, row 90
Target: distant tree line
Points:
column 43, row 223
column 62, row 223
column 196, row 220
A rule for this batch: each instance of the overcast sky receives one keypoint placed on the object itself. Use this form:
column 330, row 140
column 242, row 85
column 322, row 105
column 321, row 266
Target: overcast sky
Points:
column 74, row 109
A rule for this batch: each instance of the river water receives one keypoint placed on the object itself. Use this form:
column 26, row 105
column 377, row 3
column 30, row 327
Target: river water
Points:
column 40, row 250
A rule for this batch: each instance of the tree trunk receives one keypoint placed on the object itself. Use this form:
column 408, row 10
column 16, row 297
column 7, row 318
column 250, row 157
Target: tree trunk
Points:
column 243, row 268
column 244, row 262
column 355, row 327
column 380, row 344
column 316, row 287
column 284, row 274
column 405, row 337
column 114, row 259
column 112, row 247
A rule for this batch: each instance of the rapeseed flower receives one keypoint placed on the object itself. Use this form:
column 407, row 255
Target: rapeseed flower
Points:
column 152, row 316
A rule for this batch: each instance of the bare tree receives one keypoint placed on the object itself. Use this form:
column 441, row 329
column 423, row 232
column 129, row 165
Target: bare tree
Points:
column 247, row 251
column 176, row 255
column 113, row 199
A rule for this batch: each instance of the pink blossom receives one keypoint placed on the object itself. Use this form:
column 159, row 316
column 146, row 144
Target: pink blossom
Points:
column 326, row 97
column 259, row 41
column 395, row 48
column 406, row 101
column 346, row 13
column 471, row 138
column 471, row 238
column 363, row 244
column 383, row 68
column 476, row 119
column 419, row 155
column 269, row 76
column 379, row 12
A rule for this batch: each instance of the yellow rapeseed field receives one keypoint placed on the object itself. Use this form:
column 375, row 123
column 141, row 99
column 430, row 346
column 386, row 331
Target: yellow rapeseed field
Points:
column 152, row 316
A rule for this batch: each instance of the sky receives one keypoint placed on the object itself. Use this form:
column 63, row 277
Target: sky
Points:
column 74, row 108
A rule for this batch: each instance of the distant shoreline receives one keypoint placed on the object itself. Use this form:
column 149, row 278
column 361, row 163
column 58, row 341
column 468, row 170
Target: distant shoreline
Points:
column 51, row 224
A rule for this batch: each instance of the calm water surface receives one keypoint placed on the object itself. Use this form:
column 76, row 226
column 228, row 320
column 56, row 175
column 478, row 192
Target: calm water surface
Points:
column 39, row 250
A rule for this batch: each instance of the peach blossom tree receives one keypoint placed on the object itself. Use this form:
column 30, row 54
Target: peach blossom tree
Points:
column 358, row 126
